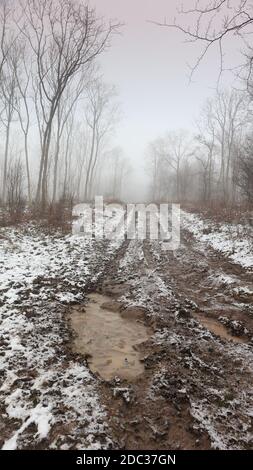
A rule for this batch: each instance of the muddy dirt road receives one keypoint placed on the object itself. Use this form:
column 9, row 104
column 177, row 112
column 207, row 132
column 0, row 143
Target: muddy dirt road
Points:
column 196, row 389
column 123, row 345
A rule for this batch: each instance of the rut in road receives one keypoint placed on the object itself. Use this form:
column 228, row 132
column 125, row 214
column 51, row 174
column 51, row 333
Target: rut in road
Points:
column 194, row 379
column 137, row 418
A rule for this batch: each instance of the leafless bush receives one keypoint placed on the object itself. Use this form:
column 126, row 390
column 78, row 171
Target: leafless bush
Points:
column 59, row 214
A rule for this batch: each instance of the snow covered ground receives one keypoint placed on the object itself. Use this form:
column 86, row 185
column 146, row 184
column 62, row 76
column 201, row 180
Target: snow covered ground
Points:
column 47, row 398
column 233, row 240
column 196, row 378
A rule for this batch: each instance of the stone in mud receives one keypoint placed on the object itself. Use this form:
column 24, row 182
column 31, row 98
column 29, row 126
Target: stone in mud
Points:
column 236, row 327
column 182, row 395
column 113, row 291
column 207, row 230
column 125, row 392
column 183, row 313
column 112, row 306
column 136, row 313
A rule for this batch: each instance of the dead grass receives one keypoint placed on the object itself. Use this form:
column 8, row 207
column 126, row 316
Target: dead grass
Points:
column 239, row 214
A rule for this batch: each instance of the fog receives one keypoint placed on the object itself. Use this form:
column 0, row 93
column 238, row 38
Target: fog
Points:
column 150, row 67
column 111, row 116
column 126, row 229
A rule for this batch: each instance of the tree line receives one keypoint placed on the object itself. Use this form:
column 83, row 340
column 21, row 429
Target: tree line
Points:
column 56, row 112
column 215, row 163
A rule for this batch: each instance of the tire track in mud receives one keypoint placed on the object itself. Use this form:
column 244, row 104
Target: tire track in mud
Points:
column 197, row 388
column 229, row 397
column 152, row 411
column 41, row 379
column 215, row 286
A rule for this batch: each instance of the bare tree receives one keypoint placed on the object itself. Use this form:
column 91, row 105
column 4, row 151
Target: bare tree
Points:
column 8, row 99
column 2, row 38
column 168, row 165
column 64, row 112
column 115, row 169
column 67, row 153
column 223, row 121
column 4, row 46
column 81, row 153
column 211, row 22
column 205, row 151
column 121, row 169
column 178, row 149
column 155, row 167
column 101, row 114
column 244, row 175
column 229, row 113
column 65, row 37
column 23, row 110
column 204, row 156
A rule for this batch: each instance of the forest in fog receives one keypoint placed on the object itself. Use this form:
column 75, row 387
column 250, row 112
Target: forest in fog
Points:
column 126, row 230
column 56, row 112
column 215, row 164
column 57, row 117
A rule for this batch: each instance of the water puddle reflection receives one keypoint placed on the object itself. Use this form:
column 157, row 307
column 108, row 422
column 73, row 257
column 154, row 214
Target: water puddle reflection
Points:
column 108, row 338
column 218, row 329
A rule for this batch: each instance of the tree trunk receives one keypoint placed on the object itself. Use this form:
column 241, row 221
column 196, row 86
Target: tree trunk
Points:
column 56, row 159
column 41, row 196
column 87, row 179
column 27, row 169
column 6, row 154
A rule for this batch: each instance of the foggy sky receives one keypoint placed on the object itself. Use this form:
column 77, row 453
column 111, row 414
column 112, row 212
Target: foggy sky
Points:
column 148, row 65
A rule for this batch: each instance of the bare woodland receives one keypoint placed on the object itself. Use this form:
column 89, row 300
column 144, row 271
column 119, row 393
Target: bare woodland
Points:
column 217, row 166
column 128, row 324
column 56, row 112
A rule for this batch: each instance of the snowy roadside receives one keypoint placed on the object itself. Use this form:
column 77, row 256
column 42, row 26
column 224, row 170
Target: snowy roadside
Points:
column 48, row 399
column 233, row 241
column 210, row 374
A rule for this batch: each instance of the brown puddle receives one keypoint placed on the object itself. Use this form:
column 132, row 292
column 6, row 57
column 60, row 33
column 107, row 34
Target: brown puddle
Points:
column 108, row 338
column 217, row 328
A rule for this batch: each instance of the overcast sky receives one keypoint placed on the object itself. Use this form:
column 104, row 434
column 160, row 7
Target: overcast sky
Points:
column 148, row 65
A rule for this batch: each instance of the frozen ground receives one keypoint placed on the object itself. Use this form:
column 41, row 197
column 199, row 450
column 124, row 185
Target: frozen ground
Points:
column 197, row 389
column 233, row 240
column 43, row 391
